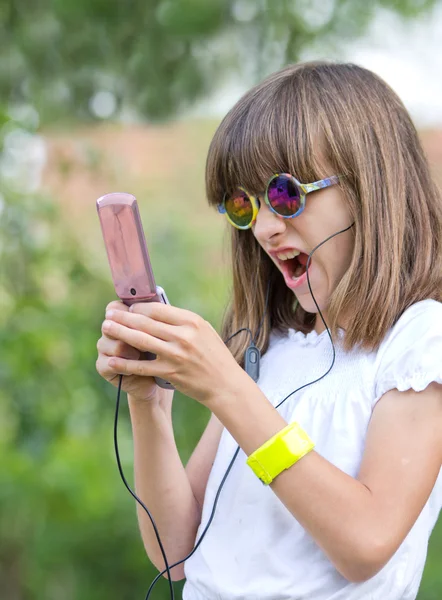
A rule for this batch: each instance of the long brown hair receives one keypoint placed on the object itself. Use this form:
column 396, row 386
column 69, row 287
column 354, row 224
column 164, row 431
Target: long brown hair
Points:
column 366, row 134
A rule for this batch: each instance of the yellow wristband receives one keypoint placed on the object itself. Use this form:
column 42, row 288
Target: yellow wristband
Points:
column 280, row 452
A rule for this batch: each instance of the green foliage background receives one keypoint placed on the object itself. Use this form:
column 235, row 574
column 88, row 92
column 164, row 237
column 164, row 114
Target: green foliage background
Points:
column 67, row 525
column 157, row 56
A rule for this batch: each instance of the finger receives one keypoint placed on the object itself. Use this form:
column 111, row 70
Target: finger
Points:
column 137, row 339
column 166, row 313
column 104, row 369
column 158, row 329
column 117, row 305
column 111, row 347
column 141, row 368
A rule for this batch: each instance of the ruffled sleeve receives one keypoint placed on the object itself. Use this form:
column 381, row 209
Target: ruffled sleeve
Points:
column 411, row 354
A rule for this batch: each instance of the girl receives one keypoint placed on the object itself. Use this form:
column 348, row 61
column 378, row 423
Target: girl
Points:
column 337, row 485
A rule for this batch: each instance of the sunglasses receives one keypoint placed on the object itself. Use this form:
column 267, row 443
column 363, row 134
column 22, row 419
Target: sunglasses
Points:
column 284, row 195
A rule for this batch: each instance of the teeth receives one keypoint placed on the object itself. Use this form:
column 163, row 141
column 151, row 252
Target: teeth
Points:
column 289, row 254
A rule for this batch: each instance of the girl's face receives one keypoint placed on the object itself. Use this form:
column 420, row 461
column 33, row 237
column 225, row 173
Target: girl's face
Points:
column 325, row 213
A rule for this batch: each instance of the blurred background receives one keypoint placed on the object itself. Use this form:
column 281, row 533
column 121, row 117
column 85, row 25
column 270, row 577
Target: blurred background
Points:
column 99, row 96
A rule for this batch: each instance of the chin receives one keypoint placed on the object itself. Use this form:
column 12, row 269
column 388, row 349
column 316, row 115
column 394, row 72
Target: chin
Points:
column 308, row 304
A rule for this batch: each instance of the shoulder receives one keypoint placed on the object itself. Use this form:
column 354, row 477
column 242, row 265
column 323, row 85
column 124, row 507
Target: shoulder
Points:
column 409, row 356
column 418, row 321
column 426, row 313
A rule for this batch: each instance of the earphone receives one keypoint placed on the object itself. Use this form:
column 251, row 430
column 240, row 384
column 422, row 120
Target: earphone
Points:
column 251, row 365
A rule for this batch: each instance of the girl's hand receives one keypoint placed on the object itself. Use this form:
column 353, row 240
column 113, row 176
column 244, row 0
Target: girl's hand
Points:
column 190, row 353
column 143, row 388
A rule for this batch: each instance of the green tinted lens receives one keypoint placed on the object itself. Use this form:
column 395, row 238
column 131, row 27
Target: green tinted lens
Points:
column 239, row 208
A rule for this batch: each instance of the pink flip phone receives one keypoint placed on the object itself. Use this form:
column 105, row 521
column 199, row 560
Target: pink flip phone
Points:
column 128, row 255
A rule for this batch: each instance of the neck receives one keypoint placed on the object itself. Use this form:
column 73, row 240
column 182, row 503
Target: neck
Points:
column 319, row 325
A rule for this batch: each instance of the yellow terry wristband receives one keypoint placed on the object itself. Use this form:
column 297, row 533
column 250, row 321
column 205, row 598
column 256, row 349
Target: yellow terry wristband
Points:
column 280, row 452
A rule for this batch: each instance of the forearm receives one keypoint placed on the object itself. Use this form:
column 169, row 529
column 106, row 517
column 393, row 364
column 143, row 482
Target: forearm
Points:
column 337, row 510
column 162, row 484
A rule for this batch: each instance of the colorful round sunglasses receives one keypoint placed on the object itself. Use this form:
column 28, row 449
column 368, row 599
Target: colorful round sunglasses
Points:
column 284, row 195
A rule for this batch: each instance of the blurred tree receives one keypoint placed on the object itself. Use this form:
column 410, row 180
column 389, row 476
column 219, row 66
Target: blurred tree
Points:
column 67, row 525
column 88, row 58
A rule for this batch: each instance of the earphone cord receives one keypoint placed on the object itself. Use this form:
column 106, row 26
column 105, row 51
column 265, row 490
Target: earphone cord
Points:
column 132, row 493
column 212, row 514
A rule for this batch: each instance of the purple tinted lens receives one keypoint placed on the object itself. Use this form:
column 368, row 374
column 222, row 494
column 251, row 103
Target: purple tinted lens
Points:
column 239, row 208
column 284, row 195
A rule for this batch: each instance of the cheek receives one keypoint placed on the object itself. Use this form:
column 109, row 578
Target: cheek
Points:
column 332, row 261
column 339, row 259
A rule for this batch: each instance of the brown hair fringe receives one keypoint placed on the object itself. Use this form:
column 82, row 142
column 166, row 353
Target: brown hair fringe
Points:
column 366, row 134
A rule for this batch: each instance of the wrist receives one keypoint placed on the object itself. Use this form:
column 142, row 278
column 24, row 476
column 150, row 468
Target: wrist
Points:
column 246, row 413
column 160, row 399
column 151, row 421
column 222, row 398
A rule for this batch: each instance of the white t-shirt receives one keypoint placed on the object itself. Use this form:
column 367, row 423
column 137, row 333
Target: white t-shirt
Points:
column 255, row 549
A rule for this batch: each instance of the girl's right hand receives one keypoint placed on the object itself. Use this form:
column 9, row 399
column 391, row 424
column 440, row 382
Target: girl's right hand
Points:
column 139, row 388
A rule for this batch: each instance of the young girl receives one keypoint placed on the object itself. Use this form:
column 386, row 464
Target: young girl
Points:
column 337, row 486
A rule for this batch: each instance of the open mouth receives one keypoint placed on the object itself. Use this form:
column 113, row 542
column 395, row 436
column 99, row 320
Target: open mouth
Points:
column 295, row 267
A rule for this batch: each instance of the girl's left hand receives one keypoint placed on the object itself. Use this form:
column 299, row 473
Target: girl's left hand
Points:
column 190, row 353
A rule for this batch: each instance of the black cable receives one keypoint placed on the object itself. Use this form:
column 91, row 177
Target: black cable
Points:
column 322, row 317
column 212, row 514
column 140, row 502
column 239, row 331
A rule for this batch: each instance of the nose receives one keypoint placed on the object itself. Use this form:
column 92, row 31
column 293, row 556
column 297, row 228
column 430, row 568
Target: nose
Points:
column 267, row 223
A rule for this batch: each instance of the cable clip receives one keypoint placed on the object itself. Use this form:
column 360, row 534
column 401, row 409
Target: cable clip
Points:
column 251, row 361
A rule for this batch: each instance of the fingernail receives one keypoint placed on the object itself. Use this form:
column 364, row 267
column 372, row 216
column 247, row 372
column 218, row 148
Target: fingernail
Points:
column 109, row 314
